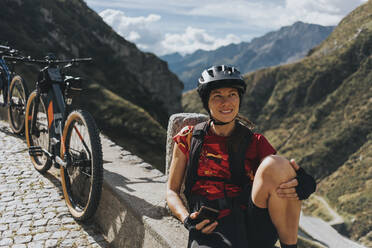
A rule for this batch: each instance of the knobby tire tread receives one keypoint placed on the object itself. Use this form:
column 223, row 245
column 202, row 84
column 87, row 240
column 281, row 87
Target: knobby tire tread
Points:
column 15, row 80
column 97, row 168
column 48, row 163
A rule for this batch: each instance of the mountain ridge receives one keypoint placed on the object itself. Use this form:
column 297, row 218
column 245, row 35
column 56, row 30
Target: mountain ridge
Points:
column 285, row 45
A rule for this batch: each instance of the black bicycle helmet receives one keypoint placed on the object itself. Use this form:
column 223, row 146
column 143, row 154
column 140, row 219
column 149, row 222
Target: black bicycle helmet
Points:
column 219, row 77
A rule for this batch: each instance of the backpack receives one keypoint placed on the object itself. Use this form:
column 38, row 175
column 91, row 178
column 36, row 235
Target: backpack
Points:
column 238, row 144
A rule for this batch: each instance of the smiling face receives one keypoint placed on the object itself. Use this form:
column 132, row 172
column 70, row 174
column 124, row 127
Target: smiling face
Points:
column 224, row 104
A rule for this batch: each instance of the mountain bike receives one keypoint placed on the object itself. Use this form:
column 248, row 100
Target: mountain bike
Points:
column 69, row 139
column 13, row 88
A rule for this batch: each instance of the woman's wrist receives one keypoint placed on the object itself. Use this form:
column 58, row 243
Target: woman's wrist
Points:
column 184, row 217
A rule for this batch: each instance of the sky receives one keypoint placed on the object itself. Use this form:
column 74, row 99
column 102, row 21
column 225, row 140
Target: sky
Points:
column 164, row 27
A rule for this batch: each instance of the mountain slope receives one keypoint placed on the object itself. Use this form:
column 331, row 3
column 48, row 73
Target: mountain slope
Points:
column 279, row 47
column 319, row 111
column 71, row 29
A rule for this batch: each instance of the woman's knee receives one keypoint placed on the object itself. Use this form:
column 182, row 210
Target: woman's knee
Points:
column 276, row 168
column 272, row 171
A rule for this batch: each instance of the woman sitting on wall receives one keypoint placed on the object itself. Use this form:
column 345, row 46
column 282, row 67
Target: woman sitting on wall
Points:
column 253, row 196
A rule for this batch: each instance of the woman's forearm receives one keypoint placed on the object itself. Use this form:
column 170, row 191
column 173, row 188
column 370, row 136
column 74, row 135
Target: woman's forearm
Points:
column 176, row 205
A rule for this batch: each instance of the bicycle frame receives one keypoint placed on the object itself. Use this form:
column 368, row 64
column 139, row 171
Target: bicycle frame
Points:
column 57, row 110
column 4, row 66
column 6, row 70
column 6, row 52
column 8, row 77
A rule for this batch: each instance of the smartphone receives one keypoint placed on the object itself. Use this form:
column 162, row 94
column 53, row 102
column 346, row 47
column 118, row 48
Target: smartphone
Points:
column 208, row 213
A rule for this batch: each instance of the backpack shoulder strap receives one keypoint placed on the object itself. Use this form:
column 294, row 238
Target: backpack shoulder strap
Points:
column 238, row 145
column 196, row 144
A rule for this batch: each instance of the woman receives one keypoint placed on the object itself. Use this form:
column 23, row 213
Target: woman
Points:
column 231, row 169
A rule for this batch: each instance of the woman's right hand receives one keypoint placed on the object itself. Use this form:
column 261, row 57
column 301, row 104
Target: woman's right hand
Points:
column 176, row 175
column 204, row 225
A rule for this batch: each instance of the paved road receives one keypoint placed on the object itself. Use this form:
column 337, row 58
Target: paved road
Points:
column 322, row 232
column 32, row 210
column 336, row 218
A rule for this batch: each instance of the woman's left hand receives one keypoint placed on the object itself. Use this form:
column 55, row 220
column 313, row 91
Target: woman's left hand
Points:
column 288, row 189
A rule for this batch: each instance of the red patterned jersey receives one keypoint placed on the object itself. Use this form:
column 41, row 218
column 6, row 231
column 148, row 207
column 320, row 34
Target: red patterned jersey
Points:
column 214, row 159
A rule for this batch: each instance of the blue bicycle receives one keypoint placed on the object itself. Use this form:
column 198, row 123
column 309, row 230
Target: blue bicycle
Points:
column 13, row 88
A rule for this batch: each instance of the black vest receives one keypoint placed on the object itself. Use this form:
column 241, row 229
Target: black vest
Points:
column 237, row 146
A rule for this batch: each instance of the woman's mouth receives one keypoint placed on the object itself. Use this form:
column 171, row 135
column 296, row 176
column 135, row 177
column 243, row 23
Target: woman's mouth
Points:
column 226, row 111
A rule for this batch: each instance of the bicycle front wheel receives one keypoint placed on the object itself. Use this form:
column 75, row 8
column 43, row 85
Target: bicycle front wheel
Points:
column 37, row 136
column 17, row 100
column 83, row 175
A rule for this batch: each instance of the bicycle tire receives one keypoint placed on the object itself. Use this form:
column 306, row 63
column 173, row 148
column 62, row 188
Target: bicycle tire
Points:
column 17, row 100
column 82, row 177
column 41, row 163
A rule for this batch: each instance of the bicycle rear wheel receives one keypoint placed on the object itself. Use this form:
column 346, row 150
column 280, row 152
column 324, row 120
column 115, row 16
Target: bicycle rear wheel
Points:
column 17, row 100
column 39, row 136
column 83, row 175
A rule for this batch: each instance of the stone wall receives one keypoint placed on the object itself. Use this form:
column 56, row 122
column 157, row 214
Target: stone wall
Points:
column 132, row 211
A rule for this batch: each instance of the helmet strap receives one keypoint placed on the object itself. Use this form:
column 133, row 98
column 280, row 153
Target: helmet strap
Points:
column 220, row 123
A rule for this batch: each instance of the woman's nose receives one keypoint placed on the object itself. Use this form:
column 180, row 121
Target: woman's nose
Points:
column 226, row 99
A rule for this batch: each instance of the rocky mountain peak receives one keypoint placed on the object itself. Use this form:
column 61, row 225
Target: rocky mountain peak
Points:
column 282, row 46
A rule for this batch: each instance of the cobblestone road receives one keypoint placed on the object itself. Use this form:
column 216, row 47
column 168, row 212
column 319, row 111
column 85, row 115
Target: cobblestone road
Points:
column 32, row 210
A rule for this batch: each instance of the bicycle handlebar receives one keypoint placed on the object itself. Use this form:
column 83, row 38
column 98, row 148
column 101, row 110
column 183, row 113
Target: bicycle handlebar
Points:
column 46, row 61
column 11, row 58
column 8, row 51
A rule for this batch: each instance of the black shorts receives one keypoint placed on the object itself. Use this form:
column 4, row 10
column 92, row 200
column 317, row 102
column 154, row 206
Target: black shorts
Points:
column 249, row 228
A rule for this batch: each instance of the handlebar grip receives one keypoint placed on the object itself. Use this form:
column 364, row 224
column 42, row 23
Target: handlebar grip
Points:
column 4, row 47
column 80, row 60
column 11, row 58
column 84, row 59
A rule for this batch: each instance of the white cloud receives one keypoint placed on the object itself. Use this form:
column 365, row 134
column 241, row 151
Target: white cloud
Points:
column 271, row 14
column 193, row 39
column 323, row 12
column 135, row 29
column 140, row 31
column 184, row 26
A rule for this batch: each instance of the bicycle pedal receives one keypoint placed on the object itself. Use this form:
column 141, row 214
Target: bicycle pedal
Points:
column 35, row 151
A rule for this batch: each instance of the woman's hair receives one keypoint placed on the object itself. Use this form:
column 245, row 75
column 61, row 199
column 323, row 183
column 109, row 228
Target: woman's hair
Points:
column 245, row 121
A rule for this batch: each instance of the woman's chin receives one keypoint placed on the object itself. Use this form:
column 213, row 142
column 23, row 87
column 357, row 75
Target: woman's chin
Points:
column 225, row 118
